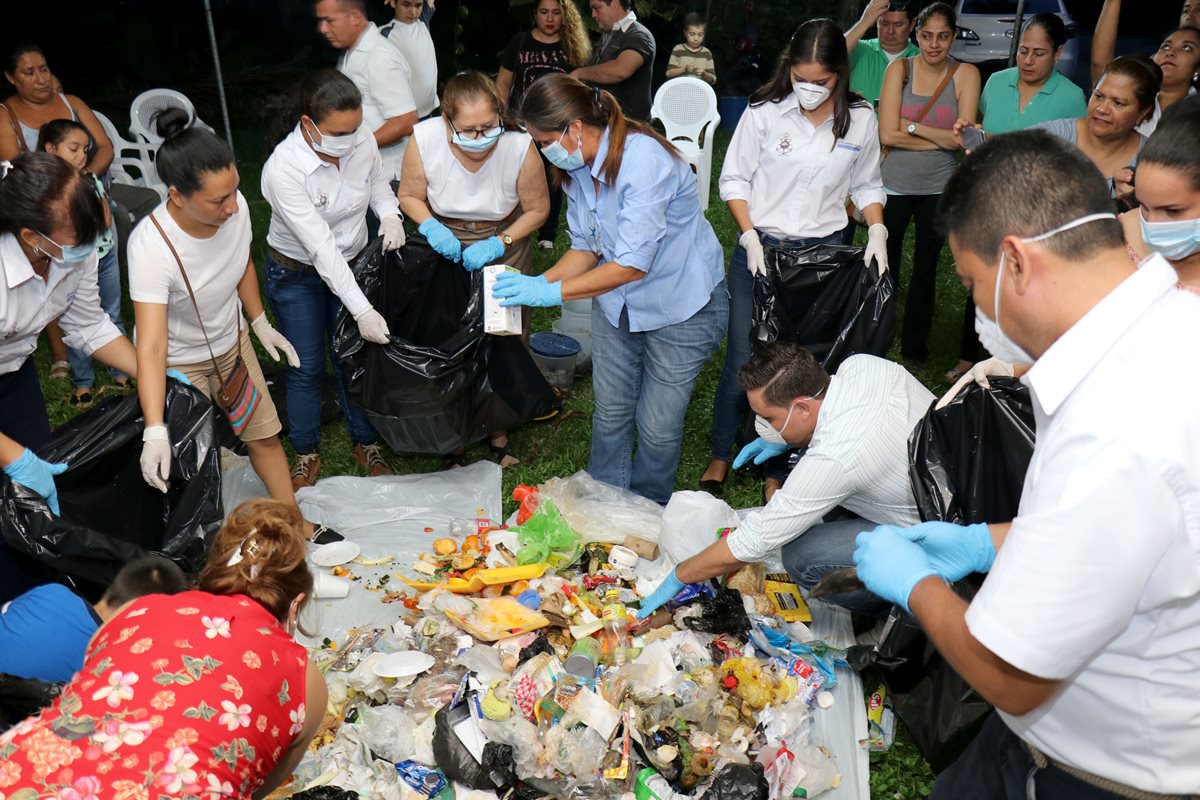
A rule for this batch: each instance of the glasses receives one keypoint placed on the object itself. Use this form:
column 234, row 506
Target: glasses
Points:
column 595, row 240
column 474, row 134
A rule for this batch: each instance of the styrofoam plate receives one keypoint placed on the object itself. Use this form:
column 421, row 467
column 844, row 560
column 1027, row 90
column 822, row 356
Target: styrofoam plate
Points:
column 403, row 664
column 335, row 553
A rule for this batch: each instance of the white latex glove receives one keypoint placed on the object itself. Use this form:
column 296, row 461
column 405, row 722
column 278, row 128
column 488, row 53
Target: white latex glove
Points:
column 156, row 456
column 877, row 237
column 978, row 373
column 756, row 260
column 273, row 341
column 372, row 326
column 392, row 229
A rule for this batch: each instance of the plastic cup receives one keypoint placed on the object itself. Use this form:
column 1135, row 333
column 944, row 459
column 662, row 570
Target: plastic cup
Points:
column 329, row 587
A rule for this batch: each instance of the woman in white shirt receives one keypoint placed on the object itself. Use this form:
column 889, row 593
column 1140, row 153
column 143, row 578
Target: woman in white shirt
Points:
column 190, row 277
column 320, row 180
column 475, row 187
column 804, row 143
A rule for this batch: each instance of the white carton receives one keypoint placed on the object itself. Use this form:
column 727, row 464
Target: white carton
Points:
column 496, row 319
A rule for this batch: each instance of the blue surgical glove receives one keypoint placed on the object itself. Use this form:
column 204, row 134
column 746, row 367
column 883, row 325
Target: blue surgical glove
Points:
column 481, row 253
column 38, row 475
column 670, row 587
column 179, row 376
column 760, row 449
column 955, row 551
column 441, row 239
column 515, row 289
column 890, row 565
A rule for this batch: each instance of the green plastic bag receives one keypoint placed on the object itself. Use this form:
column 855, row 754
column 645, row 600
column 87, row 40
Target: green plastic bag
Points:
column 547, row 538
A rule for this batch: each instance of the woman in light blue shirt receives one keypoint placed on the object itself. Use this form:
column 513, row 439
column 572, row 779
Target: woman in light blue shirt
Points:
column 641, row 246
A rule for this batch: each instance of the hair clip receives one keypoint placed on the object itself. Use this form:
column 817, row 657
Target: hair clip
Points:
column 5, row 166
column 251, row 551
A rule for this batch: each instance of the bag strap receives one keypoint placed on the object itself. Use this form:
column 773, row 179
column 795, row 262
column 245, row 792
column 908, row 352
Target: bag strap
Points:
column 933, row 98
column 22, row 146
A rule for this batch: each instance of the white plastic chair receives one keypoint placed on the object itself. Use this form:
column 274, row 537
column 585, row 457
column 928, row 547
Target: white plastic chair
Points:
column 133, row 162
column 150, row 102
column 687, row 109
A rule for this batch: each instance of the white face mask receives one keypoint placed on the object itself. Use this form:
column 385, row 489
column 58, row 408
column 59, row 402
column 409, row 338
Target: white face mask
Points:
column 767, row 431
column 333, row 146
column 810, row 95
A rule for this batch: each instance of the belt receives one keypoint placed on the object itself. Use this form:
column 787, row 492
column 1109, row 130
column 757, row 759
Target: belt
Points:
column 289, row 263
column 1041, row 761
column 474, row 227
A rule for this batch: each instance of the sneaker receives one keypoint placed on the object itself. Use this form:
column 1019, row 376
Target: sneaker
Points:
column 306, row 470
column 323, row 534
column 370, row 458
column 546, row 244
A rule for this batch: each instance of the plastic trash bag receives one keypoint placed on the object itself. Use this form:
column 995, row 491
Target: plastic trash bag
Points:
column 110, row 515
column 546, row 533
column 442, row 383
column 690, row 523
column 388, row 731
column 452, row 756
column 600, row 512
column 739, row 782
column 24, row 697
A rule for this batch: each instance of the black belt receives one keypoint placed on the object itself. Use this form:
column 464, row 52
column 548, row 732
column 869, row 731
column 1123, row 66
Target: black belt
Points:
column 289, row 263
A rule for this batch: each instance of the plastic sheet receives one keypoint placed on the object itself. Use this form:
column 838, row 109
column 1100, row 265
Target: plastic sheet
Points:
column 441, row 383
column 110, row 516
column 690, row 523
column 602, row 513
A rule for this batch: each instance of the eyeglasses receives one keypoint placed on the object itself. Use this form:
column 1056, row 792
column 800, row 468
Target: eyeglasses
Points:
column 475, row 134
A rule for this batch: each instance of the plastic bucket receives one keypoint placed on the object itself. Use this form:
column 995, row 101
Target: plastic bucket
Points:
column 555, row 354
column 731, row 109
column 578, row 313
column 581, row 334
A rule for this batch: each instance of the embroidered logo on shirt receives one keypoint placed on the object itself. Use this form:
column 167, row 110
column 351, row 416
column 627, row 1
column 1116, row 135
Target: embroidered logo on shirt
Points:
column 784, row 146
column 70, row 298
column 322, row 199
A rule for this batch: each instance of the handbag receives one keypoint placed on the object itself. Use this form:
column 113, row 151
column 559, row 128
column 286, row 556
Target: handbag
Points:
column 237, row 395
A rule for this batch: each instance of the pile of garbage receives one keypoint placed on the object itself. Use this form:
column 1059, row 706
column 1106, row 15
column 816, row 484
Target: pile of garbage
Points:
column 519, row 667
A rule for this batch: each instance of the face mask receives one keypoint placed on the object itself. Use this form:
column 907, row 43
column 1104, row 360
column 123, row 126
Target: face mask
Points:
column 810, row 95
column 991, row 335
column 1172, row 240
column 334, row 146
column 72, row 254
column 557, row 155
column 767, row 431
column 480, row 145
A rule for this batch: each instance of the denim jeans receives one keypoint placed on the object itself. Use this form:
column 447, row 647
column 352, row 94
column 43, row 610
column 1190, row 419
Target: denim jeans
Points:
column 643, row 382
column 109, row 278
column 827, row 547
column 306, row 311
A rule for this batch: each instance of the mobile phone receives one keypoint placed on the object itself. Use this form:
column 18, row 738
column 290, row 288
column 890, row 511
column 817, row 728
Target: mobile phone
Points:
column 972, row 138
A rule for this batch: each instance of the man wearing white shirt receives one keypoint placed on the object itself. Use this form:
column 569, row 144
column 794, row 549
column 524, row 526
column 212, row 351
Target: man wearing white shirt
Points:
column 1084, row 632
column 410, row 35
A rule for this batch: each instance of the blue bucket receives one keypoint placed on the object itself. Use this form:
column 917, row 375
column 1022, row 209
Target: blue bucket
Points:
column 731, row 109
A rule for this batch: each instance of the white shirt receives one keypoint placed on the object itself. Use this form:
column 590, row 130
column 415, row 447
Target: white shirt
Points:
column 384, row 78
column 624, row 22
column 1098, row 582
column 1150, row 125
column 858, row 459
column 214, row 266
column 794, row 176
column 487, row 195
column 28, row 303
column 413, row 41
column 319, row 211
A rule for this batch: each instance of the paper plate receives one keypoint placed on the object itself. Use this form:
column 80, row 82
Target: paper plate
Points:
column 403, row 664
column 335, row 553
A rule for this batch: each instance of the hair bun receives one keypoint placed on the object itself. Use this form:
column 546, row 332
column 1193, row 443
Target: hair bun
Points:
column 170, row 122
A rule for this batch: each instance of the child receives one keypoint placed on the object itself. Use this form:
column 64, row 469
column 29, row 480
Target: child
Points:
column 409, row 32
column 692, row 57
column 71, row 142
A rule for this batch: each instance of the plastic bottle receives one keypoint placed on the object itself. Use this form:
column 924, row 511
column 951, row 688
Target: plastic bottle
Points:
column 616, row 622
column 728, row 722
column 652, row 786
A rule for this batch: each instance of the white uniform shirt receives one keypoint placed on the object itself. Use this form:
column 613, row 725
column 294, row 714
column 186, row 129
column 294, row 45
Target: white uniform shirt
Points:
column 1151, row 124
column 413, row 41
column 1098, row 582
column 487, row 195
column 858, row 458
column 28, row 303
column 319, row 211
column 794, row 176
column 384, row 78
column 214, row 266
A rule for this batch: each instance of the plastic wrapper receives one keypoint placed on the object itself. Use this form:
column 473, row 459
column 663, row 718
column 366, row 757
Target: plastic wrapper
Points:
column 739, row 782
column 110, row 515
column 441, row 383
column 24, row 697
column 451, row 755
column 326, row 793
column 724, row 613
column 388, row 731
column 599, row 512
column 545, row 535
column 690, row 523
column 521, row 736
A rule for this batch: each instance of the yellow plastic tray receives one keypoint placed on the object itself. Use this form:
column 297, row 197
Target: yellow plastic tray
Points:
column 498, row 618
column 495, row 576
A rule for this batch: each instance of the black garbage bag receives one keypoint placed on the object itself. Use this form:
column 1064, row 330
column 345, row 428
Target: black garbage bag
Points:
column 23, row 697
column 326, row 793
column 723, row 613
column 442, row 383
column 452, row 756
column 110, row 515
column 739, row 782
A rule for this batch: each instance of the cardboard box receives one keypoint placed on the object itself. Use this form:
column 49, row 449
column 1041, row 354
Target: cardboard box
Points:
column 496, row 319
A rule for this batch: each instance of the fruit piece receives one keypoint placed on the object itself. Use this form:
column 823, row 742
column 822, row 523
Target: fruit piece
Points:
column 444, row 547
column 471, row 543
column 463, row 561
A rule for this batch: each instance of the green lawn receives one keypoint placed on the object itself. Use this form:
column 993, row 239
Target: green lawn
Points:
column 560, row 447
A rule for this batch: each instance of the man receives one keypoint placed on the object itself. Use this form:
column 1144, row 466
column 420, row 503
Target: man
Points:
column 856, row 427
column 379, row 71
column 893, row 21
column 1084, row 632
column 624, row 60
column 409, row 33
column 1189, row 15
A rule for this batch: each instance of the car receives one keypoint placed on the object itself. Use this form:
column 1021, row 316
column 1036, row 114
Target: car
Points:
column 985, row 32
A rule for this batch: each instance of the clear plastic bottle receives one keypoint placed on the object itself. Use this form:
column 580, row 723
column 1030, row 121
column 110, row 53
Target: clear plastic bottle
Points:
column 616, row 622
column 728, row 722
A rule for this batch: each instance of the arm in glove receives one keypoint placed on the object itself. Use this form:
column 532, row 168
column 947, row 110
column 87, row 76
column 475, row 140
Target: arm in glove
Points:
column 38, row 475
column 156, row 456
column 756, row 260
column 877, row 236
column 392, row 230
column 890, row 565
column 978, row 373
column 760, row 449
column 527, row 290
column 179, row 376
column 670, row 587
column 373, row 327
column 273, row 341
column 441, row 239
column 955, row 551
column 481, row 253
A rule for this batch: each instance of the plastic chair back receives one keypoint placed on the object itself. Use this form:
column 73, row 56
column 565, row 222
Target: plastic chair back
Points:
column 133, row 162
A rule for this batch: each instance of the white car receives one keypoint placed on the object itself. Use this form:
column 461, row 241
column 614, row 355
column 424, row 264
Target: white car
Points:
column 985, row 31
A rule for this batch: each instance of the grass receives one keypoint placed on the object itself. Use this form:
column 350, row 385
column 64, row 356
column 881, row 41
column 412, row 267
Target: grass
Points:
column 560, row 447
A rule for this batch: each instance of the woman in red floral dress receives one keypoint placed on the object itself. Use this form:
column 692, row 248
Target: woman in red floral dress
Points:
column 201, row 695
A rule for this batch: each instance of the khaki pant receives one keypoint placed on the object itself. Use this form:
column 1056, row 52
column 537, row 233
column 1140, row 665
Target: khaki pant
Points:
column 264, row 423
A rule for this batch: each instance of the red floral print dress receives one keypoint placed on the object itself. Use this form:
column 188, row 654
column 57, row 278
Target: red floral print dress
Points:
column 189, row 696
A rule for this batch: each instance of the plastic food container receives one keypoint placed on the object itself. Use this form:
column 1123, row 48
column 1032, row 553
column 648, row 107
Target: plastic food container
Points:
column 581, row 334
column 555, row 355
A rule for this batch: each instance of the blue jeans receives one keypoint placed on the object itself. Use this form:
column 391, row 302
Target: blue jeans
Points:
column 827, row 547
column 643, row 382
column 109, row 278
column 306, row 312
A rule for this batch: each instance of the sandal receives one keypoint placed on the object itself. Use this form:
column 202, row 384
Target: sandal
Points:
column 60, row 370
column 82, row 400
column 501, row 452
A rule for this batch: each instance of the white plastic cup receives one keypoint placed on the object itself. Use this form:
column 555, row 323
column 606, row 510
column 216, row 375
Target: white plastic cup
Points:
column 329, row 587
column 624, row 560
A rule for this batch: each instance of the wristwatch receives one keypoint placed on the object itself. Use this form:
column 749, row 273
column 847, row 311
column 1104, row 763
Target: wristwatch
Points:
column 912, row 129
column 507, row 240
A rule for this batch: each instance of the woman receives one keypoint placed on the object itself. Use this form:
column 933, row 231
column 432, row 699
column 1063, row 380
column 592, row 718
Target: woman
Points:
column 833, row 150
column 916, row 125
column 190, row 278
column 202, row 693
column 320, row 180
column 558, row 43
column 470, row 180
column 50, row 219
column 641, row 246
